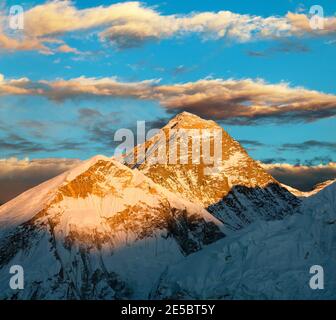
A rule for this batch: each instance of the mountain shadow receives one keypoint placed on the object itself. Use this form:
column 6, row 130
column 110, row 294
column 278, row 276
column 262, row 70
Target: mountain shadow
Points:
column 243, row 205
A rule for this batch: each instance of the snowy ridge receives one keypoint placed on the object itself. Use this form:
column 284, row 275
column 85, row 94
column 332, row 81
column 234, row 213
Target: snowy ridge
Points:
column 267, row 260
column 305, row 194
column 99, row 224
column 29, row 203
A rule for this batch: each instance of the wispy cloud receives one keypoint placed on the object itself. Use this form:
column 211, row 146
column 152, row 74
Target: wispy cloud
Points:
column 309, row 144
column 282, row 46
column 251, row 144
column 14, row 144
column 87, row 114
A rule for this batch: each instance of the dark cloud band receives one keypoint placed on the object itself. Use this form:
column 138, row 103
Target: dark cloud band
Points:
column 239, row 102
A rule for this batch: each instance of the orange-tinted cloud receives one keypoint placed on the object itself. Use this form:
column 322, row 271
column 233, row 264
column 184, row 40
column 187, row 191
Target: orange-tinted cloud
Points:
column 243, row 101
column 130, row 24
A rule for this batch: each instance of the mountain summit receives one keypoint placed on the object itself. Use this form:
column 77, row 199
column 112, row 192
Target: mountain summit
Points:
column 189, row 178
column 237, row 189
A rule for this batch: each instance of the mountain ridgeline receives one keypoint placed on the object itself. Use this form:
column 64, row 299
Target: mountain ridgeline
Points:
column 129, row 228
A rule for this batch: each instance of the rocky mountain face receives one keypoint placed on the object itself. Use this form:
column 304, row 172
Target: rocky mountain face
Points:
column 237, row 190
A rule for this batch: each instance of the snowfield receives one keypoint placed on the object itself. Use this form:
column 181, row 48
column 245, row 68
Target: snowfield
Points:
column 267, row 260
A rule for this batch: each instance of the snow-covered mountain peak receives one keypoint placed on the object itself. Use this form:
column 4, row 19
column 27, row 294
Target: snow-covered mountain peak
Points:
column 73, row 173
column 98, row 179
column 187, row 120
column 188, row 175
column 316, row 189
column 233, row 187
column 90, row 228
column 29, row 203
column 322, row 185
column 324, row 199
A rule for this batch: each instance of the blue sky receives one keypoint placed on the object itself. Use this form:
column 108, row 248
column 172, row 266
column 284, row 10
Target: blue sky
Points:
column 38, row 127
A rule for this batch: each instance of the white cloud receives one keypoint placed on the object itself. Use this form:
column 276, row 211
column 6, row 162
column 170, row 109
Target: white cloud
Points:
column 130, row 24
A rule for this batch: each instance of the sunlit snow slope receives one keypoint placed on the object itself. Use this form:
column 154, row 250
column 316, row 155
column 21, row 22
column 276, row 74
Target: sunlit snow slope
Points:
column 99, row 231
